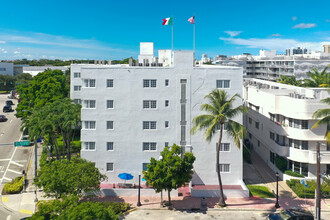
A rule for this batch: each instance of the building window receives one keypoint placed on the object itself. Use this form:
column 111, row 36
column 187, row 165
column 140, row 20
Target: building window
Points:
column 290, row 122
column 296, row 123
column 145, row 166
column 224, row 168
column 149, row 125
column 109, row 103
column 149, row 146
column 224, row 146
column 167, row 103
column 109, row 146
column 304, row 124
column 89, row 83
column 271, row 157
column 167, row 82
column 167, row 124
column 223, row 84
column 76, row 75
column 257, row 125
column 109, row 167
column 89, row 104
column 166, row 144
column 89, row 125
column 149, row 83
column 89, row 145
column 109, row 83
column 149, row 104
column 296, row 144
column 272, row 135
column 77, row 101
column 258, row 143
column 250, row 120
column 77, row 88
column 109, row 125
column 2, row 69
column 250, row 135
column 304, row 169
column 304, row 145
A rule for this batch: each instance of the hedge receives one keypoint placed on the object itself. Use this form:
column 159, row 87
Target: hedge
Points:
column 15, row 186
column 309, row 192
column 281, row 163
column 294, row 174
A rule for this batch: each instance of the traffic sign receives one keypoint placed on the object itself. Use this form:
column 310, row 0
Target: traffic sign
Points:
column 22, row 143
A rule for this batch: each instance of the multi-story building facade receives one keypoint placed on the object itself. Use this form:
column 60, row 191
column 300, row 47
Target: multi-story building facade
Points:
column 131, row 112
column 279, row 122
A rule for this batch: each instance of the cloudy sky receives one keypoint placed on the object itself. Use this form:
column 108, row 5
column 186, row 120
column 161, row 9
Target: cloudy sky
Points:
column 106, row 29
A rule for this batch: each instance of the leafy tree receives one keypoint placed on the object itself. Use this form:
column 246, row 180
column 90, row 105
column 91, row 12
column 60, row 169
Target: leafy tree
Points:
column 171, row 172
column 324, row 114
column 46, row 87
column 61, row 117
column 7, row 82
column 65, row 178
column 317, row 79
column 289, row 80
column 220, row 111
column 23, row 78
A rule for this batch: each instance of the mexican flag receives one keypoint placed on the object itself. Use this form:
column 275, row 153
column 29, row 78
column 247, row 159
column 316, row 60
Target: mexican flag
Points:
column 168, row 21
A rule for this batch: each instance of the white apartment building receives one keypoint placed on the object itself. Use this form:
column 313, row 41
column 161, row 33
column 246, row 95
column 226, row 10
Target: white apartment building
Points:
column 131, row 112
column 279, row 123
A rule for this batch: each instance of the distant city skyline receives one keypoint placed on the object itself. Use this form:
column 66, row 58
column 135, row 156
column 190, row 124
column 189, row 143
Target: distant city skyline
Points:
column 113, row 30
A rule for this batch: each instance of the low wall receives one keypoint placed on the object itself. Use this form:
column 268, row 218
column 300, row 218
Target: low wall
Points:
column 134, row 192
column 288, row 177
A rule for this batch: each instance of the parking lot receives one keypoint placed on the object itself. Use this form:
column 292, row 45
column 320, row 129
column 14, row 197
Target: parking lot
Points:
column 13, row 160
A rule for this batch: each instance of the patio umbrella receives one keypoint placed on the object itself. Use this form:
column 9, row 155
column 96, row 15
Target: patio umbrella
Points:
column 125, row 176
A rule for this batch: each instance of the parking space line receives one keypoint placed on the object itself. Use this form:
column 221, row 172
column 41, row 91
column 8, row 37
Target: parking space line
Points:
column 6, row 179
column 18, row 164
column 4, row 159
column 26, row 211
column 14, row 171
column 12, row 156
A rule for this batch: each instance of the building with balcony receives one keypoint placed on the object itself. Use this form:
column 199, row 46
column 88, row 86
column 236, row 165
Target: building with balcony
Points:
column 131, row 112
column 279, row 122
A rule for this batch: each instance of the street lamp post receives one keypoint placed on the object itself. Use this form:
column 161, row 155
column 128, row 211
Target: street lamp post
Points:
column 276, row 204
column 139, row 202
column 161, row 192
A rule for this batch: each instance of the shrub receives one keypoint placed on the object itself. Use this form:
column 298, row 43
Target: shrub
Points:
column 291, row 173
column 15, row 186
column 281, row 163
column 117, row 207
column 308, row 192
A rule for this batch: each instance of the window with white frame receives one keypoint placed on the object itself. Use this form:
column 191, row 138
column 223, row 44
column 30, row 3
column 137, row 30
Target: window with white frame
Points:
column 223, row 84
column 149, row 125
column 167, row 103
column 149, row 104
column 77, row 88
column 149, row 83
column 109, row 146
column 109, row 83
column 109, row 167
column 89, row 145
column 149, row 146
column 167, row 82
column 89, row 104
column 224, row 168
column 89, row 125
column 76, row 75
column 225, row 125
column 77, row 101
column 167, row 123
column 89, row 83
column 109, row 103
column 109, row 125
column 225, row 147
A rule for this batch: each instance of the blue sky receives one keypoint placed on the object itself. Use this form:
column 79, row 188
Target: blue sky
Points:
column 106, row 29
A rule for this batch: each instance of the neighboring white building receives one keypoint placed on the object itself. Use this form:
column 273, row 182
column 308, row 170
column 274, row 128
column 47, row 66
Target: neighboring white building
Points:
column 279, row 122
column 130, row 113
column 35, row 70
column 7, row 69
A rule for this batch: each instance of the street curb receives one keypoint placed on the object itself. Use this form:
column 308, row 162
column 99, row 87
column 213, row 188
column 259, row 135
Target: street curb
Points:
column 220, row 209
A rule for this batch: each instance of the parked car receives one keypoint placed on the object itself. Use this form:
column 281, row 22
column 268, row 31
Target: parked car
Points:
column 3, row 118
column 7, row 108
column 291, row 214
column 9, row 102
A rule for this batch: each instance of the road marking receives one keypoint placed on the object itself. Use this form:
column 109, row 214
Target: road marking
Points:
column 8, row 217
column 6, row 179
column 1, row 169
column 14, row 171
column 18, row 164
column 4, row 159
column 4, row 199
column 26, row 211
column 20, row 161
column 12, row 156
column 11, row 120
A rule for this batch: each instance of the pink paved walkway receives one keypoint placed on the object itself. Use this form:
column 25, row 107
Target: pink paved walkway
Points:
column 233, row 203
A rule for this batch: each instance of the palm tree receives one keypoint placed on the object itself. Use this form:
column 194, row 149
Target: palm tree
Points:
column 220, row 111
column 317, row 79
column 324, row 114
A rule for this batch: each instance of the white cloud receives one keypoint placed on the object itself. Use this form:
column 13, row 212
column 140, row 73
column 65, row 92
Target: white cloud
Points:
column 274, row 43
column 276, row 35
column 17, row 52
column 294, row 18
column 2, row 42
column 328, row 20
column 305, row 25
column 233, row 33
column 5, row 51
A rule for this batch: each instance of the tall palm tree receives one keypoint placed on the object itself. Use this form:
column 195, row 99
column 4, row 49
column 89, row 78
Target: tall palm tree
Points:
column 317, row 79
column 324, row 114
column 220, row 111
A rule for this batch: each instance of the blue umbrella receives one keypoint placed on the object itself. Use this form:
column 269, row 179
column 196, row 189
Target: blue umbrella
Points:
column 125, row 176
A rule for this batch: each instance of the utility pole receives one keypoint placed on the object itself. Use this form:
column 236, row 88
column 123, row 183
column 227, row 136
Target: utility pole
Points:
column 318, row 183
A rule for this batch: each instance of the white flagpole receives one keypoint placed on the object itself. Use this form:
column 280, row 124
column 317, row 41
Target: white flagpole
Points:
column 194, row 35
column 172, row 34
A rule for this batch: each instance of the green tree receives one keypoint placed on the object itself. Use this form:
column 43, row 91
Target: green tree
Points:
column 171, row 172
column 220, row 111
column 61, row 117
column 44, row 88
column 7, row 82
column 289, row 80
column 65, row 178
column 324, row 114
column 23, row 78
column 317, row 79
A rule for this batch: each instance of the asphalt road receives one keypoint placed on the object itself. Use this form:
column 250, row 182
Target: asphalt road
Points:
column 13, row 160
